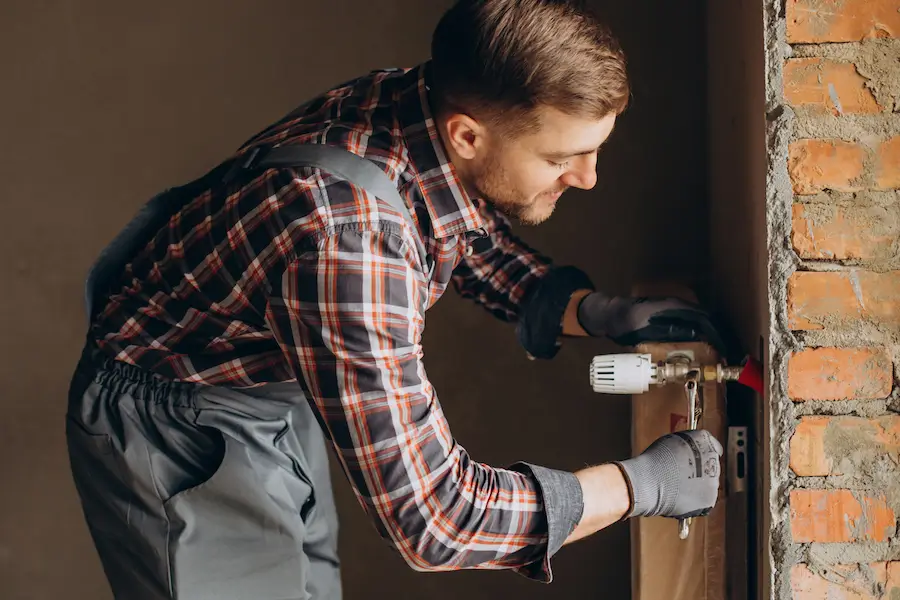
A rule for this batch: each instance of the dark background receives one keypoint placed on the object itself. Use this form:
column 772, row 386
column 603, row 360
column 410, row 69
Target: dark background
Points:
column 105, row 103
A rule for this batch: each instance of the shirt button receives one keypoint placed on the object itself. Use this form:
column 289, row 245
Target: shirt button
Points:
column 469, row 250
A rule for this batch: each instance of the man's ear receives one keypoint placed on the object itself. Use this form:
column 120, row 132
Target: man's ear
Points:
column 465, row 135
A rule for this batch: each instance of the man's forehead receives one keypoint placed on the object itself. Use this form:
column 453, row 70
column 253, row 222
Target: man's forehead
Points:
column 551, row 119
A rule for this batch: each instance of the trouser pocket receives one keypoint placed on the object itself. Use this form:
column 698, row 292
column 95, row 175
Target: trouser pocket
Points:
column 94, row 471
column 128, row 454
column 201, row 498
column 240, row 533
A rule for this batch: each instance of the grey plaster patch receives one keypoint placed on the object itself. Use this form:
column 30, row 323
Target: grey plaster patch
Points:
column 782, row 262
column 868, row 130
column 845, row 554
column 861, row 199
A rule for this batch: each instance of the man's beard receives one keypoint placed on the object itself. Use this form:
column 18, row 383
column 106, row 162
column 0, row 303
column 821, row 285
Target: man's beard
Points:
column 493, row 185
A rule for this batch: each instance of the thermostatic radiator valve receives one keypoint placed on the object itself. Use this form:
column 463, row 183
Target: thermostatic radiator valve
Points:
column 635, row 373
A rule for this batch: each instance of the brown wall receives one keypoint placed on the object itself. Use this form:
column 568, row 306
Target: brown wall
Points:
column 106, row 103
column 738, row 252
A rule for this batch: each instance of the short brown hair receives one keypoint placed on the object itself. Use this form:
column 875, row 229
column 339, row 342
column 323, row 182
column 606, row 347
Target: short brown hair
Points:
column 499, row 60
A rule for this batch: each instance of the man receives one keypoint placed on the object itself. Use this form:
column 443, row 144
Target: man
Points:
column 274, row 311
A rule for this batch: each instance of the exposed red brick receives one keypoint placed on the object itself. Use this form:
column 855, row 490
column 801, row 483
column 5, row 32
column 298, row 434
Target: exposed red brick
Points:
column 820, row 299
column 817, row 83
column 817, row 165
column 831, row 516
column 841, row 20
column 827, row 232
column 888, row 167
column 847, row 582
column 823, row 446
column 839, row 373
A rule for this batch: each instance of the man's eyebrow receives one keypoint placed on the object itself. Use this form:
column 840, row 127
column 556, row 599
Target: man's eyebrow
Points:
column 559, row 155
column 571, row 153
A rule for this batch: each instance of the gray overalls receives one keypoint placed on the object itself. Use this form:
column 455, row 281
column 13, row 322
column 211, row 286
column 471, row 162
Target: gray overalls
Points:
column 199, row 492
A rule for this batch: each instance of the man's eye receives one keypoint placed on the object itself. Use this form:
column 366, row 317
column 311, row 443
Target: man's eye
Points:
column 560, row 165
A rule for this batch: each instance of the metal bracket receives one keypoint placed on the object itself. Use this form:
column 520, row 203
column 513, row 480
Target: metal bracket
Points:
column 737, row 460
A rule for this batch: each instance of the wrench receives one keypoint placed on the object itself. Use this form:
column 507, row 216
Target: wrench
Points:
column 695, row 410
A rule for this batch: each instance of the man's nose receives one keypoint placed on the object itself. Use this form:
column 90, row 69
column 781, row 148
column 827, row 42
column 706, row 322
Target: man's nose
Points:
column 582, row 173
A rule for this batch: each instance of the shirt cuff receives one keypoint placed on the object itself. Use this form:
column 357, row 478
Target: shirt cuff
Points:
column 564, row 507
column 540, row 321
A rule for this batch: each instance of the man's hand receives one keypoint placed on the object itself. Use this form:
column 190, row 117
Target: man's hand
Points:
column 676, row 476
column 631, row 321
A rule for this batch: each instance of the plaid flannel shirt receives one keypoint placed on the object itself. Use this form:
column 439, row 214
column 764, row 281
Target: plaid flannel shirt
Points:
column 296, row 275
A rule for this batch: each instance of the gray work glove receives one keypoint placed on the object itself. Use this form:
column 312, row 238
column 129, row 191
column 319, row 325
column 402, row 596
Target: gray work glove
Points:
column 676, row 476
column 631, row 321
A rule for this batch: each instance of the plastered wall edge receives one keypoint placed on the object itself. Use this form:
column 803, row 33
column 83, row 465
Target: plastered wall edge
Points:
column 782, row 262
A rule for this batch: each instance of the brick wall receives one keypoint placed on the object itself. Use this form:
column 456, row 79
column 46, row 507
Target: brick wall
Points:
column 842, row 80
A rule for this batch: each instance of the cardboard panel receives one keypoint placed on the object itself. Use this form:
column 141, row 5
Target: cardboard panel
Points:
column 663, row 565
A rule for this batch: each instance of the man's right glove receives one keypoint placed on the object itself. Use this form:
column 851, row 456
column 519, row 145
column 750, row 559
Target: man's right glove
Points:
column 676, row 476
column 630, row 321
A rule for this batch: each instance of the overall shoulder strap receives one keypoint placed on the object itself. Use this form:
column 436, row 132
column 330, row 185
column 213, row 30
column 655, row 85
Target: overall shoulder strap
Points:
column 342, row 163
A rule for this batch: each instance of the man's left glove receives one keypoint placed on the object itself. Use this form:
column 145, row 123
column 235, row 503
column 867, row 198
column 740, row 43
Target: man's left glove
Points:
column 631, row 321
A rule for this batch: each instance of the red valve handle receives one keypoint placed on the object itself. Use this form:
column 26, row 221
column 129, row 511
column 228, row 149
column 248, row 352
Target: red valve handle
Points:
column 751, row 375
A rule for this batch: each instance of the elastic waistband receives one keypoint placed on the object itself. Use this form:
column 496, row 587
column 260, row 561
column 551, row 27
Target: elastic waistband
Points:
column 122, row 377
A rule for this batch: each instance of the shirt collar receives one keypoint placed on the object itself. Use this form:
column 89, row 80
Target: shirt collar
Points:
column 450, row 208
